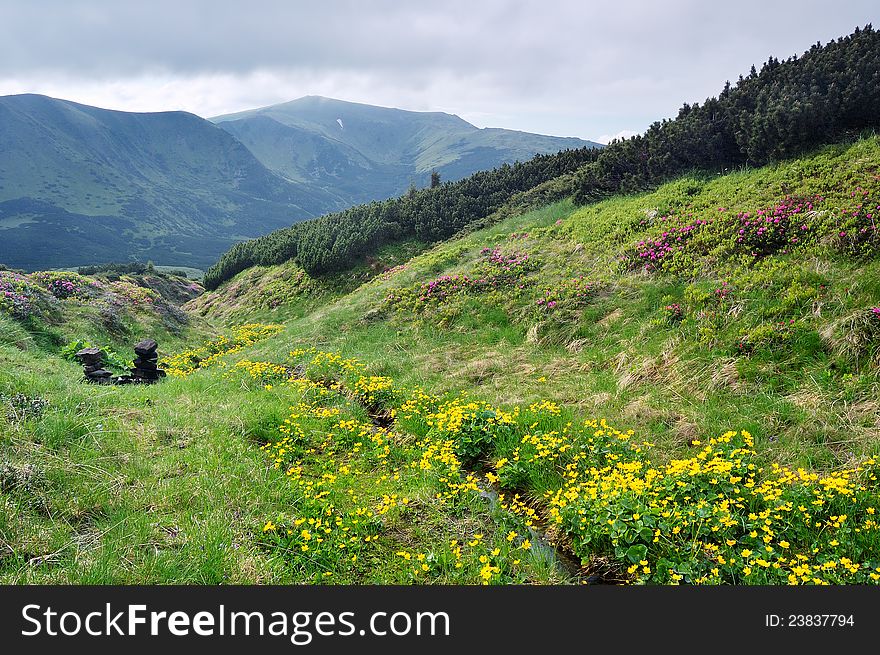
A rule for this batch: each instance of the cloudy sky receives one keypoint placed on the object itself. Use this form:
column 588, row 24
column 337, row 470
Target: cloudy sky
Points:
column 564, row 67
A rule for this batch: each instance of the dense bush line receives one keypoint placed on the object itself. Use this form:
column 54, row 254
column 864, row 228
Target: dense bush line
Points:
column 786, row 108
column 336, row 241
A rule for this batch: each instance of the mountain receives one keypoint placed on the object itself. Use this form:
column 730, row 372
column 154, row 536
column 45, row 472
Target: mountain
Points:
column 677, row 386
column 81, row 185
column 363, row 152
column 830, row 93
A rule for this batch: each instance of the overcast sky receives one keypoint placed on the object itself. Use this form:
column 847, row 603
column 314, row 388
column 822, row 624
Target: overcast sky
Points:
column 563, row 67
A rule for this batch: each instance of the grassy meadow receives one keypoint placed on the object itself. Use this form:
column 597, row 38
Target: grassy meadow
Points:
column 671, row 387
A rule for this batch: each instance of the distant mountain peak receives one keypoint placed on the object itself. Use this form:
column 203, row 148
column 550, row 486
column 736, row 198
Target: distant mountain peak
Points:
column 411, row 143
column 81, row 184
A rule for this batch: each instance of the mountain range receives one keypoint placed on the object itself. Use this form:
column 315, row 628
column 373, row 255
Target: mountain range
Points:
column 81, row 185
column 363, row 152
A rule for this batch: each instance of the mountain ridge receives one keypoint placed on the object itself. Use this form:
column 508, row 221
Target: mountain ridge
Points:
column 362, row 140
column 166, row 184
column 82, row 184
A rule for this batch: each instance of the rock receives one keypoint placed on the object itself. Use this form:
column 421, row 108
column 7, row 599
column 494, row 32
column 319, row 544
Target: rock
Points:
column 100, row 376
column 92, row 360
column 146, row 364
column 90, row 355
column 146, row 347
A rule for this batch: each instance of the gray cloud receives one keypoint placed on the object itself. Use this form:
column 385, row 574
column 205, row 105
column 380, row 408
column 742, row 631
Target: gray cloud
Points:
column 556, row 66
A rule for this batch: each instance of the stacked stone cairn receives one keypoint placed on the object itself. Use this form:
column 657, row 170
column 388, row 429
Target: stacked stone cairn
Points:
column 92, row 360
column 146, row 367
column 145, row 371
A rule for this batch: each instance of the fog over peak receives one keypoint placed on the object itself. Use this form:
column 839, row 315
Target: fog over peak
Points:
column 562, row 67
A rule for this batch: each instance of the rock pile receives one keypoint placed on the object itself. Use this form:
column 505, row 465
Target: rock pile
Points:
column 92, row 360
column 146, row 364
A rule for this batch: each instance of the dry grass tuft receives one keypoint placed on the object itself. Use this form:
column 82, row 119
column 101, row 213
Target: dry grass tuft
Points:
column 726, row 375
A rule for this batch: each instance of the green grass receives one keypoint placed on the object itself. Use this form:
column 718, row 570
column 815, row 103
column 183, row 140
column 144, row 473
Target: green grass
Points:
column 171, row 483
column 689, row 378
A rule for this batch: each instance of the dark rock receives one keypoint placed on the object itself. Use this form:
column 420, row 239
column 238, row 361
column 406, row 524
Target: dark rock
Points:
column 146, row 365
column 100, row 376
column 145, row 347
column 100, row 373
column 90, row 355
column 92, row 360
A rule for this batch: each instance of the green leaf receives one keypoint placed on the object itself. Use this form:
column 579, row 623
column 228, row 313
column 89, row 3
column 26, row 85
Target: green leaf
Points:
column 636, row 553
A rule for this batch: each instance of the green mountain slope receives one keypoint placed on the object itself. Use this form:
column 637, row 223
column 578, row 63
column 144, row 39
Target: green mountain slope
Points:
column 80, row 184
column 828, row 94
column 630, row 392
column 732, row 323
column 368, row 152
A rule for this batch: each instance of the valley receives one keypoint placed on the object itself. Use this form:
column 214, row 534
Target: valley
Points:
column 654, row 363
column 652, row 429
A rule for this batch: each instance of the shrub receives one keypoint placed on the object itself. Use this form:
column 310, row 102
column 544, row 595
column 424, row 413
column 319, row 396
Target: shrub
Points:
column 857, row 228
column 112, row 359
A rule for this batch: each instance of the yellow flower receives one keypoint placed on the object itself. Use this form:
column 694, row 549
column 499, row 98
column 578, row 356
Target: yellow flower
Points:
column 526, row 545
column 269, row 526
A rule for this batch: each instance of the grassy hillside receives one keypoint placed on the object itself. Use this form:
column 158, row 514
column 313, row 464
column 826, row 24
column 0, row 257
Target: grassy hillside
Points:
column 670, row 387
column 698, row 329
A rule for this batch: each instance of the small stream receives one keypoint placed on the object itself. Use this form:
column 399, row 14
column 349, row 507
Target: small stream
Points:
column 568, row 562
column 565, row 561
